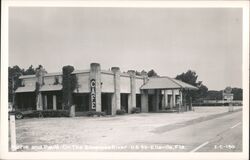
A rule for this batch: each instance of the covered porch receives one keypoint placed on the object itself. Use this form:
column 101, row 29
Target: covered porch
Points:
column 25, row 98
column 167, row 95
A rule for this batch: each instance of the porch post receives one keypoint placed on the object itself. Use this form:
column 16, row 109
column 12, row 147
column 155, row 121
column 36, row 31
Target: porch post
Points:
column 116, row 97
column 144, row 94
column 158, row 91
column 144, row 101
column 54, row 102
column 39, row 102
column 173, row 98
column 162, row 100
column 165, row 99
column 132, row 95
column 45, row 102
column 180, row 92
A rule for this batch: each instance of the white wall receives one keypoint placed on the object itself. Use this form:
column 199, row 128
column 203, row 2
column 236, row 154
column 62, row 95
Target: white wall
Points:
column 138, row 84
column 107, row 83
column 83, row 82
column 29, row 81
column 49, row 80
column 125, row 84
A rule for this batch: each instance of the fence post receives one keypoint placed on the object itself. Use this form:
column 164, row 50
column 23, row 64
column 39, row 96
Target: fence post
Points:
column 12, row 133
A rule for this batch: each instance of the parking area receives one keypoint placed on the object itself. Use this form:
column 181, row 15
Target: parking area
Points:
column 100, row 131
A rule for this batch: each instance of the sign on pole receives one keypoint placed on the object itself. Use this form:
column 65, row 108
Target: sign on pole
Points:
column 228, row 98
column 93, row 93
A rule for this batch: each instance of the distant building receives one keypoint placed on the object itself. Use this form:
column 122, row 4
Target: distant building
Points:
column 101, row 90
column 227, row 95
column 214, row 98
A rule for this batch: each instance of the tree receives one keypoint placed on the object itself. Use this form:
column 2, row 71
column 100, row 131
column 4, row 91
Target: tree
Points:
column 39, row 67
column 190, row 77
column 30, row 71
column 202, row 92
column 13, row 78
column 214, row 95
column 152, row 73
column 69, row 84
column 237, row 93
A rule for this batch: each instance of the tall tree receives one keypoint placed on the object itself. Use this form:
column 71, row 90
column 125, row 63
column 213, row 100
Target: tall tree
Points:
column 13, row 80
column 237, row 93
column 202, row 92
column 214, row 95
column 39, row 67
column 152, row 73
column 30, row 71
column 190, row 77
column 69, row 84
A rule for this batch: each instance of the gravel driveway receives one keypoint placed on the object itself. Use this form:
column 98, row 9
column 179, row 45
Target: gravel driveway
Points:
column 43, row 134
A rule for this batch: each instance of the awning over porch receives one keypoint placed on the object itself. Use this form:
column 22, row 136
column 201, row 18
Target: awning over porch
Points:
column 57, row 87
column 25, row 89
column 166, row 83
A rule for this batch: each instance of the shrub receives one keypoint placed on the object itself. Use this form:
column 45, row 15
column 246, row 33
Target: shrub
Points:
column 120, row 112
column 95, row 113
column 49, row 113
column 135, row 110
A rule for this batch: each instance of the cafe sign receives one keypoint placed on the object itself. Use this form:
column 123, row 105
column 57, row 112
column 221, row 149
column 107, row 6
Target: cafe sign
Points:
column 93, row 93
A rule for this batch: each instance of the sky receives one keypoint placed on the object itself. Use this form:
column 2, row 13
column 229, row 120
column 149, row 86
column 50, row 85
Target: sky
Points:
column 168, row 40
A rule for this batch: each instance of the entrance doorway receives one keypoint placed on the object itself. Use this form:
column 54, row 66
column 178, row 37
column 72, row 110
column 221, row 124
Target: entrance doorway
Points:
column 150, row 103
column 138, row 101
column 81, row 102
column 160, row 103
column 106, row 103
column 124, row 101
column 52, row 100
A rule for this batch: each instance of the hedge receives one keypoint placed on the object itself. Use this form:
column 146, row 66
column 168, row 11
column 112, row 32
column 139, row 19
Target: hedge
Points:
column 49, row 113
column 120, row 112
column 135, row 110
column 95, row 113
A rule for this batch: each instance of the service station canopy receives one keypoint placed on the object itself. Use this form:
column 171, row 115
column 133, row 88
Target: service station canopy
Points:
column 166, row 83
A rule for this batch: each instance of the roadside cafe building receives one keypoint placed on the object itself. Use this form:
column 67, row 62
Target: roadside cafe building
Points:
column 102, row 90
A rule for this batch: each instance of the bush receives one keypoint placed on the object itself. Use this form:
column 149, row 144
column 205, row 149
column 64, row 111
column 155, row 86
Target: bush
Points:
column 135, row 110
column 95, row 113
column 120, row 112
column 48, row 113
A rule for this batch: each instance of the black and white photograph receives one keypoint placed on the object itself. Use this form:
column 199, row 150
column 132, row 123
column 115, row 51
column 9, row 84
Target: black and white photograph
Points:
column 126, row 80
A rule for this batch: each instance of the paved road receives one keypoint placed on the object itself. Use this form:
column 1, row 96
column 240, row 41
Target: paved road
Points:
column 221, row 134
